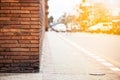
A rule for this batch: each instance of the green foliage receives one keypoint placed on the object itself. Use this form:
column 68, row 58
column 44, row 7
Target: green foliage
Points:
column 50, row 19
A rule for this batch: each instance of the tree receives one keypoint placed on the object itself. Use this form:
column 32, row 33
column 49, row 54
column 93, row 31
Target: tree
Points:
column 101, row 13
column 50, row 19
column 91, row 14
column 84, row 13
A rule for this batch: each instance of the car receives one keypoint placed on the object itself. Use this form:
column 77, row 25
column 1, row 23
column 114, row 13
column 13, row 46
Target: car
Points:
column 116, row 27
column 105, row 27
column 60, row 28
column 95, row 28
column 69, row 29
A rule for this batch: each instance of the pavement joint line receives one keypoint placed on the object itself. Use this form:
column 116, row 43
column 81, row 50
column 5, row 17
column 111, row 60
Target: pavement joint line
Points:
column 115, row 69
column 100, row 60
column 97, row 58
column 107, row 64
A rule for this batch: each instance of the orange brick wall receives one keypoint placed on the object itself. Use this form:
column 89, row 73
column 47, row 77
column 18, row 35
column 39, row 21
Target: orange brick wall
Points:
column 20, row 35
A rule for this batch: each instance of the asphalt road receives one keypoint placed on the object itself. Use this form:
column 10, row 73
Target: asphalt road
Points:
column 104, row 45
column 70, row 58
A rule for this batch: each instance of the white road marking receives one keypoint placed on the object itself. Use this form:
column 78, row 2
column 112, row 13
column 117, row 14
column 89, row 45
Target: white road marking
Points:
column 97, row 58
column 115, row 69
column 107, row 64
column 100, row 60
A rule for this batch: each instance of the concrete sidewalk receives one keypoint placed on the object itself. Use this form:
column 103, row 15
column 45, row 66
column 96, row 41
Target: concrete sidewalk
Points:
column 61, row 61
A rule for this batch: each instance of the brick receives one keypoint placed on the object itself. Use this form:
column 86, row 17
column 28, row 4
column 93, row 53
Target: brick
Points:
column 4, row 37
column 1, row 50
column 9, row 22
column 30, row 8
column 20, row 19
column 8, row 41
column 19, row 11
column 10, row 45
column 34, row 41
column 30, row 5
column 30, row 22
column 30, row 30
column 4, row 18
column 35, row 26
column 29, row 61
column 11, row 15
column 16, row 37
column 35, row 19
column 20, row 31
column 10, row 30
column 8, row 33
column 34, row 22
column 4, row 11
column 33, row 53
column 29, row 1
column 9, row 0
column 29, row 45
column 17, row 57
column 24, row 41
column 19, row 49
column 10, row 8
column 34, row 57
column 5, row 61
column 16, row 26
column 34, row 49
column 1, row 57
column 26, row 22
column 15, row 4
column 29, row 15
column 23, row 33
column 30, row 37
column 34, row 12
column 4, row 49
column 4, row 4
column 35, row 34
column 21, row 65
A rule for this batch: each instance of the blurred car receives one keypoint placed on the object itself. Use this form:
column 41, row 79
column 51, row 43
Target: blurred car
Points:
column 73, row 27
column 69, row 29
column 105, row 27
column 116, row 27
column 60, row 28
column 95, row 28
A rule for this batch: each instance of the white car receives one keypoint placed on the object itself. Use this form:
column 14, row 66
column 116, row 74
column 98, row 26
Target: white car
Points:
column 101, row 27
column 60, row 28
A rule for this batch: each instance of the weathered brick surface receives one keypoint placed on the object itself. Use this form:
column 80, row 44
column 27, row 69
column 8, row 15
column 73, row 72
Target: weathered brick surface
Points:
column 20, row 35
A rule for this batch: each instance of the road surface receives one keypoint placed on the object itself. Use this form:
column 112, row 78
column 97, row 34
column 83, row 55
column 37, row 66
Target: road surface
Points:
column 67, row 60
column 106, row 46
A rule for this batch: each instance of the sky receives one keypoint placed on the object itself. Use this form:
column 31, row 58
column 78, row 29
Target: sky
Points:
column 59, row 7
